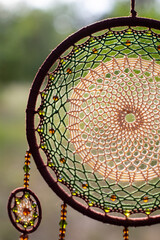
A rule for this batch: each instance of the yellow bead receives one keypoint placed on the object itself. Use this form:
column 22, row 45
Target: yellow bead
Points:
column 128, row 43
column 41, row 112
column 148, row 211
column 113, row 198
column 127, row 213
column 90, row 203
column 63, row 212
column 76, row 49
column 51, row 77
column 62, row 61
column 107, row 210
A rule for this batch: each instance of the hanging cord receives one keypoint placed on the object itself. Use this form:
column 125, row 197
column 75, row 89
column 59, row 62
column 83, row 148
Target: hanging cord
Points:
column 133, row 12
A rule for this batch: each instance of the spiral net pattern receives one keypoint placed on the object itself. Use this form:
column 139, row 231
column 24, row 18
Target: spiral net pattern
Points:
column 99, row 120
column 114, row 119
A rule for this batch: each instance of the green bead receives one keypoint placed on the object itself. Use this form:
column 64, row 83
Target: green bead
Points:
column 50, row 164
column 63, row 224
column 25, row 225
column 27, row 195
column 35, row 215
column 14, row 209
column 92, row 39
column 90, row 203
column 41, row 112
column 18, row 220
column 107, row 209
column 148, row 211
column 43, row 145
column 74, row 192
column 26, row 168
column 18, row 201
column 44, row 94
column 60, row 179
column 34, row 205
column 51, row 77
column 40, row 129
column 76, row 49
column 31, row 223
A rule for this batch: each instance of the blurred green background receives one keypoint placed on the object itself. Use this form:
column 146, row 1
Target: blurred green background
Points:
column 28, row 32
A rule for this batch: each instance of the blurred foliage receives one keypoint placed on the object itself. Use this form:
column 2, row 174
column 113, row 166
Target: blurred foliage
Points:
column 28, row 35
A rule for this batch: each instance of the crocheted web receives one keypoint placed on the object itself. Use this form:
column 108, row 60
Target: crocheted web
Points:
column 99, row 120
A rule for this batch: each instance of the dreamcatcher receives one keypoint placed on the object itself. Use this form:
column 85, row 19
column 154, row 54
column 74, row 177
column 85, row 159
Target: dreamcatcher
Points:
column 98, row 132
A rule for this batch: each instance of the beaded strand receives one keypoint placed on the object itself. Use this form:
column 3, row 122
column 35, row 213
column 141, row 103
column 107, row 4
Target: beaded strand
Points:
column 63, row 222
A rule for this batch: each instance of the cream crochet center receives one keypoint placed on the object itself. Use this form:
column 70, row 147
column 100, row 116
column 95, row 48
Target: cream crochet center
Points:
column 114, row 119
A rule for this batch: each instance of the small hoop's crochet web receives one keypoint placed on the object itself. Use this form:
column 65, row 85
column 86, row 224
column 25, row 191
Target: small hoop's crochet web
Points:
column 99, row 121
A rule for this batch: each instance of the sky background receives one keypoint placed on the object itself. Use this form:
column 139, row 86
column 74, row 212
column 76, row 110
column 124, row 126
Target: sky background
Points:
column 95, row 6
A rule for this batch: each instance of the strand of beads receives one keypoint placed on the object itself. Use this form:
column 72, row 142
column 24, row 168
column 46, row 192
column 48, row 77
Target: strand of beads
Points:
column 26, row 169
column 125, row 233
column 63, row 222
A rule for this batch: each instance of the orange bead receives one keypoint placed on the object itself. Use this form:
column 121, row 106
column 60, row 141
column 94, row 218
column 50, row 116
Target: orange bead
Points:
column 26, row 185
column 27, row 162
column 55, row 98
column 64, row 206
column 23, row 237
column 128, row 43
column 26, row 180
column 158, row 47
column 63, row 217
column 113, row 198
column 145, row 199
column 26, row 211
column 94, row 50
column 62, row 160
column 62, row 235
column 69, row 71
column 52, row 131
column 84, row 185
column 27, row 175
column 62, row 230
column 27, row 157
column 63, row 212
column 28, row 153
